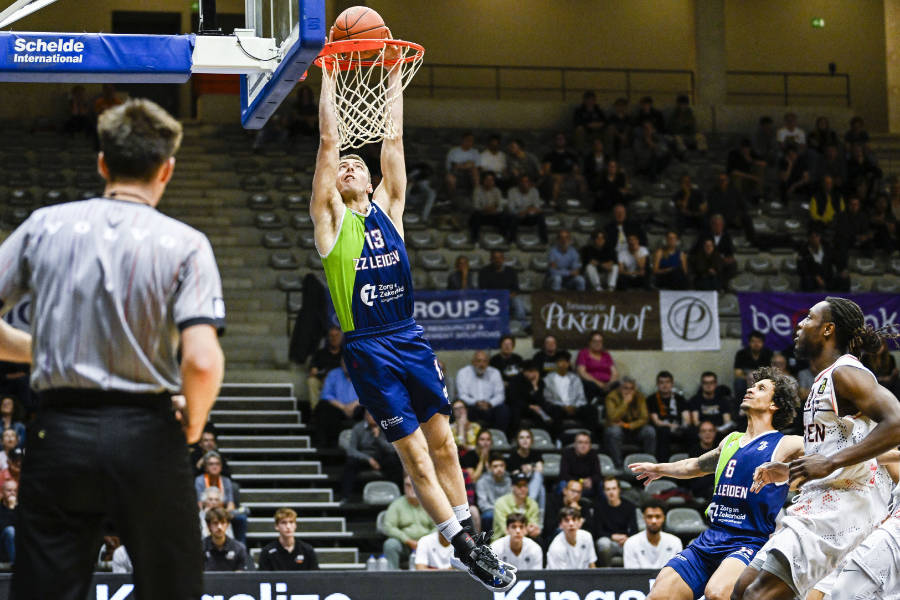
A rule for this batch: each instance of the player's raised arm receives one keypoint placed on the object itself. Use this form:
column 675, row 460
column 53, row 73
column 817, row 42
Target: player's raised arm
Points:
column 682, row 469
column 871, row 399
column 324, row 204
column 391, row 192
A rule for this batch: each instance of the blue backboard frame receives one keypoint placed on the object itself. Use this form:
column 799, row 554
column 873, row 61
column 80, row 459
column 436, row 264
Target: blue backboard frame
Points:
column 297, row 60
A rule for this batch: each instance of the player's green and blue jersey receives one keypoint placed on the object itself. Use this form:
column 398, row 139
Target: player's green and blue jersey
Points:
column 368, row 272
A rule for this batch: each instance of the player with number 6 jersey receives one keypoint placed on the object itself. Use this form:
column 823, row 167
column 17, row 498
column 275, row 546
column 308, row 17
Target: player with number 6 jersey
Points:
column 742, row 515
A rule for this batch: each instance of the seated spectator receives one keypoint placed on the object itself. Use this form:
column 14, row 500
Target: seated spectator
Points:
column 724, row 199
column 884, row 225
column 618, row 230
column 612, row 187
column 405, row 523
column 595, row 162
column 462, row 165
column 749, row 358
column 701, row 488
column 646, row 112
column 565, row 265
column 13, row 470
column 528, row 462
column 634, row 265
column 588, row 120
column 11, row 418
column 526, row 400
column 573, row 547
column 615, row 521
column 10, row 442
column 651, row 153
column 480, row 386
column 855, row 233
column 669, row 414
column 765, row 143
column 580, row 461
column 601, row 265
column 670, row 264
column 560, row 169
column 212, row 477
column 596, row 368
column 9, row 520
column 884, row 367
column 826, row 203
column 369, row 449
column 488, row 208
column 793, row 174
column 690, row 206
column 707, row 267
column 627, row 420
column 207, row 443
column 833, row 164
column 790, row 134
column 462, row 278
column 212, row 497
column 724, row 245
column 545, row 358
column 222, row 553
column 114, row 556
column 519, row 162
column 712, row 402
column 506, row 361
column 816, row 267
column 79, row 112
column 822, row 136
column 653, row 547
column 493, row 160
column 516, row 548
column 497, row 275
column 491, row 487
column 572, row 497
column 565, row 399
column 517, row 500
column 746, row 171
column 287, row 553
column 433, row 553
column 525, row 208
column 683, row 128
column 465, row 432
column 857, row 134
column 322, row 362
column 339, row 404
column 617, row 135
column 476, row 462
column 862, row 174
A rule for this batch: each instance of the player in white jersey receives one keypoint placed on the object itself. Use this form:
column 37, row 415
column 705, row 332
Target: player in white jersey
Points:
column 838, row 504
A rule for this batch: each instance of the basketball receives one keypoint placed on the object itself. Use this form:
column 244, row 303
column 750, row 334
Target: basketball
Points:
column 359, row 22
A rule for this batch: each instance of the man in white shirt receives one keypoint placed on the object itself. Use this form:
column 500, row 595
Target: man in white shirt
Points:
column 634, row 264
column 493, row 160
column 480, row 386
column 515, row 548
column 651, row 548
column 462, row 164
column 791, row 134
column 433, row 553
column 526, row 208
column 564, row 394
column 573, row 547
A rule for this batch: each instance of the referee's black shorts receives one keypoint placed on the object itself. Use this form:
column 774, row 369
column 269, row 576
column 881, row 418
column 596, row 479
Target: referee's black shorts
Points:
column 92, row 455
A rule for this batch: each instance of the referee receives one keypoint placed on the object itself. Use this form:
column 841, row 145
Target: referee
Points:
column 126, row 310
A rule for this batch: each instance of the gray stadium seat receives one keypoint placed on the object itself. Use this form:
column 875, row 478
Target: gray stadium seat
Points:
column 294, row 202
column 268, row 220
column 275, row 239
column 500, row 442
column 289, row 282
column 246, row 166
column 513, row 262
column 761, row 265
column 678, row 456
column 529, row 242
column 459, row 240
column 554, row 223
column 281, row 167
column 634, row 458
column 493, row 241
column 380, row 493
column 307, row 239
column 412, row 220
column 745, row 282
column 529, row 282
column 778, row 283
column 659, row 486
column 793, row 226
column 859, row 285
column 685, row 522
column 433, row 261
column 54, row 197
column 728, row 305
column 865, row 266
column 313, row 260
column 639, row 516
column 551, row 464
column 420, row 279
column 283, row 259
column 254, row 183
column 895, row 266
column 438, row 280
column 540, row 262
column 476, row 261
column 289, row 183
column 789, row 265
column 301, row 220
column 422, row 240
column 586, row 223
column 573, row 205
column 344, row 439
column 607, row 466
column 260, row 201
column 379, row 522
column 887, row 285
column 542, row 440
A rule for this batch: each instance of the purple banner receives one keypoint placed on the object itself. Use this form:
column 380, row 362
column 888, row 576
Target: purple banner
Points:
column 776, row 315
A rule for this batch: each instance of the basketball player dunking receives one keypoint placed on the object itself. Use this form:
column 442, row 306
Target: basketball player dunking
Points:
column 838, row 504
column 392, row 366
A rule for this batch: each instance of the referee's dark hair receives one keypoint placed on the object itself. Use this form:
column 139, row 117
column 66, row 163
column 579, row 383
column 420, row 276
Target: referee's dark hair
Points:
column 136, row 138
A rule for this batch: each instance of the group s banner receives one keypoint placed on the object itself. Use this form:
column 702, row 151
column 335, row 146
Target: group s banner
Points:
column 666, row 320
column 776, row 315
column 463, row 320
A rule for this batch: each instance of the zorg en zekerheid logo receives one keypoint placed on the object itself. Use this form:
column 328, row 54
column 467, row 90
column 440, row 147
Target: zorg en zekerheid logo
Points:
column 690, row 319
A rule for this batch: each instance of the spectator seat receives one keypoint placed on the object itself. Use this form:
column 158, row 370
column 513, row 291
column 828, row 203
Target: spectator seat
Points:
column 379, row 523
column 260, row 201
column 661, row 486
column 422, row 240
column 607, row 466
column 412, row 220
column 294, row 202
column 459, row 240
column 344, row 439
column 895, row 266
column 246, row 166
column 586, row 223
column 314, row 261
column 887, row 285
column 307, row 239
column 728, row 305
column 283, row 259
column 778, row 283
column 439, row 280
column 529, row 282
column 289, row 183
column 54, row 196
column 20, row 197
column 761, row 265
column 380, row 493
column 301, row 220
column 501, row 444
column 540, row 263
column 529, row 242
column 542, row 440
column 254, row 183
column 433, row 261
column 268, row 220
column 685, row 521
column 859, row 285
column 493, row 241
column 746, row 282
column 275, row 239
column 420, row 279
column 635, row 457
column 554, row 223
column 289, row 282
column 789, row 265
column 865, row 266
column 551, row 465
column 678, row 456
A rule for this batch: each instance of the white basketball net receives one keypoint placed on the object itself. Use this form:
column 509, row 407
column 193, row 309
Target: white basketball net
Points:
column 363, row 94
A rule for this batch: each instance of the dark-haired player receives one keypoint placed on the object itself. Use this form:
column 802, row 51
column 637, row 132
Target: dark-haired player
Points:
column 741, row 521
column 391, row 364
column 838, row 504
column 118, row 291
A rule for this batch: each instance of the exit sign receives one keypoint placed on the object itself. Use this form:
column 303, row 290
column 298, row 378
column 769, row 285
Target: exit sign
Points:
column 818, row 22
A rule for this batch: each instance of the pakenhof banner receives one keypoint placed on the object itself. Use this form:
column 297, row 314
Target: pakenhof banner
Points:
column 777, row 315
column 601, row 584
column 689, row 320
column 461, row 320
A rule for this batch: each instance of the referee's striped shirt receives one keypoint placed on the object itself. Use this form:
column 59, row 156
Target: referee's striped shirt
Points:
column 112, row 282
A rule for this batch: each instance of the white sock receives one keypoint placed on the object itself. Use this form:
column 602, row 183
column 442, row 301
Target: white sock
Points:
column 449, row 528
column 462, row 512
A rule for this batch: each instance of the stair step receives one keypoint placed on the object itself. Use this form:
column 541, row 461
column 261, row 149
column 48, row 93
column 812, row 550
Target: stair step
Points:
column 256, row 390
column 263, row 525
column 250, row 403
column 326, row 556
column 287, row 495
column 300, row 467
column 254, row 416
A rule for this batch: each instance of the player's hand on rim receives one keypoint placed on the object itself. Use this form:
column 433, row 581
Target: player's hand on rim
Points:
column 645, row 471
column 769, row 472
column 806, row 468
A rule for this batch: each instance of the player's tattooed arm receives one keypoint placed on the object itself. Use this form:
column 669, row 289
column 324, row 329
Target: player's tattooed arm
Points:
column 682, row 469
column 706, row 463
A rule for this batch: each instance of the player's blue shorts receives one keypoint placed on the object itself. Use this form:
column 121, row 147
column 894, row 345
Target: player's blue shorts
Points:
column 696, row 563
column 396, row 374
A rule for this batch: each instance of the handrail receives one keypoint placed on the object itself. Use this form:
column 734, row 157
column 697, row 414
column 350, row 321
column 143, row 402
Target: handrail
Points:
column 786, row 92
column 564, row 87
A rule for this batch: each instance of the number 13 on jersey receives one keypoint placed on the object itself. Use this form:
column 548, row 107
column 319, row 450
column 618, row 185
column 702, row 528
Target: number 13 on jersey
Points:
column 374, row 239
